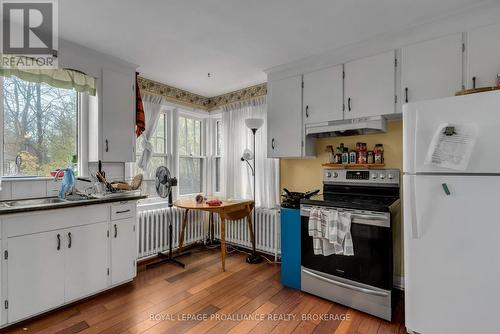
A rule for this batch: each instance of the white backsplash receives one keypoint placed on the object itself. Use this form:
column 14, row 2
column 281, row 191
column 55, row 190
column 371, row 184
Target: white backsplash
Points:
column 47, row 187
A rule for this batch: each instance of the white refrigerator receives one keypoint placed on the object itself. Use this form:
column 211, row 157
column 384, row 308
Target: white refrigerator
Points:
column 452, row 220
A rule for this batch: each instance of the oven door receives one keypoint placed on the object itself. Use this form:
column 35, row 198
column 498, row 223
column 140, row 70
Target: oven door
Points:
column 372, row 241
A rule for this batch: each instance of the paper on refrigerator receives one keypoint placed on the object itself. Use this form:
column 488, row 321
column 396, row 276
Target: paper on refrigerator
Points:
column 452, row 146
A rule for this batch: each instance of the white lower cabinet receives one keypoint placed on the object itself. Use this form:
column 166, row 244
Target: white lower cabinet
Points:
column 123, row 250
column 35, row 269
column 53, row 259
column 85, row 260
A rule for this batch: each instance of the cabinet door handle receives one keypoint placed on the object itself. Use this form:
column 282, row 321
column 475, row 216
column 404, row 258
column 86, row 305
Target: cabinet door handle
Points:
column 349, row 104
column 107, row 146
column 406, row 95
column 272, row 143
column 474, row 82
column 58, row 242
column 123, row 211
column 116, row 231
column 69, row 239
column 307, row 111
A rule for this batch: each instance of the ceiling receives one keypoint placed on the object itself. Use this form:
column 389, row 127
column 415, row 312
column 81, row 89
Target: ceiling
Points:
column 178, row 42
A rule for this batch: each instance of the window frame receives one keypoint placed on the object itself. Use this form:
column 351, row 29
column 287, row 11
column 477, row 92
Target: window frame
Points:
column 215, row 120
column 81, row 137
column 181, row 113
column 167, row 155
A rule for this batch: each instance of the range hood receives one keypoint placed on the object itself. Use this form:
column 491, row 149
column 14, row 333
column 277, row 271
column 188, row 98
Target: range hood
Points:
column 350, row 127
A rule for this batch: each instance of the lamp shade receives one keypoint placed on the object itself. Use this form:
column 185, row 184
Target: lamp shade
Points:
column 254, row 123
column 247, row 155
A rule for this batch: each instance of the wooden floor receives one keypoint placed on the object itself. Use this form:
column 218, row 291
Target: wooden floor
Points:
column 201, row 298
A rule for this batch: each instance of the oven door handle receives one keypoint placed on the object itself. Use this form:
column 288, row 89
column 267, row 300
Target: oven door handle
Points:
column 381, row 221
column 347, row 286
column 369, row 217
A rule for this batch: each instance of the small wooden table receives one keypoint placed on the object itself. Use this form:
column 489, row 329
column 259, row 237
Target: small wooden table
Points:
column 232, row 210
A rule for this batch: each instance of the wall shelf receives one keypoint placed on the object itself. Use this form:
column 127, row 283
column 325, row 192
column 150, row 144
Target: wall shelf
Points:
column 329, row 165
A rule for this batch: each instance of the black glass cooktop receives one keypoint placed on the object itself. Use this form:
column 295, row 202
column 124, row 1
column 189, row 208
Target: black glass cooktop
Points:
column 358, row 202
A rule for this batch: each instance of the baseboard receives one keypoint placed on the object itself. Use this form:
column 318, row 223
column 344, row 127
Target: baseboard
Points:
column 398, row 282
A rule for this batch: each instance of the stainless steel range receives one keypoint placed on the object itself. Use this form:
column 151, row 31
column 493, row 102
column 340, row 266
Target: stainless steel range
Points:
column 362, row 281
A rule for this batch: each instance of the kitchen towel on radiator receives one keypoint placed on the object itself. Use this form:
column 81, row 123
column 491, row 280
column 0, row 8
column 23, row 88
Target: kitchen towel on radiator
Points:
column 331, row 232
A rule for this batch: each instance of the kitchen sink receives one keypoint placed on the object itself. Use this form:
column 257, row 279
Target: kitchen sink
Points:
column 78, row 197
column 33, row 202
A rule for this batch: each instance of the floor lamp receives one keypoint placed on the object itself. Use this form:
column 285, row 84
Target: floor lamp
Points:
column 253, row 124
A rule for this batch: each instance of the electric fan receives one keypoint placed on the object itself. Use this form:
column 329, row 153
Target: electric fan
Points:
column 164, row 183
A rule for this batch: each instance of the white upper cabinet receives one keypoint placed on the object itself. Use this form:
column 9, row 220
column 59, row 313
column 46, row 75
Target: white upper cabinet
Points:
column 118, row 115
column 370, row 85
column 323, row 95
column 284, row 118
column 432, row 69
column 483, row 56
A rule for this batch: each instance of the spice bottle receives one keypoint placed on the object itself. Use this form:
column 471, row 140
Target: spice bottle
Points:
column 370, row 157
column 352, row 157
column 345, row 156
column 379, row 153
column 362, row 154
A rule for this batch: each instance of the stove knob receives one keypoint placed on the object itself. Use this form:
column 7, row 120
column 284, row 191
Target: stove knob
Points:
column 328, row 174
column 382, row 176
column 374, row 176
column 335, row 174
column 390, row 176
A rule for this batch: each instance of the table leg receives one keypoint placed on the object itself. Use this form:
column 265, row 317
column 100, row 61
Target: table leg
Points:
column 250, row 229
column 212, row 228
column 183, row 228
column 223, row 240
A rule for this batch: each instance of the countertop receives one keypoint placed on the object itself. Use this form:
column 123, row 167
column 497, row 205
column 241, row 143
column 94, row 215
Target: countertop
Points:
column 68, row 204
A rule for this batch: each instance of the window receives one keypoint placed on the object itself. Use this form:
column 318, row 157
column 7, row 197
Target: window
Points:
column 160, row 149
column 191, row 157
column 40, row 125
column 218, row 156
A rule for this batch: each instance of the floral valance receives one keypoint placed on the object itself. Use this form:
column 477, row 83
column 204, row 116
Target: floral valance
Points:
column 60, row 78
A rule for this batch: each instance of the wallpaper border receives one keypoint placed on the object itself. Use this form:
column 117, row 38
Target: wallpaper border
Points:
column 183, row 97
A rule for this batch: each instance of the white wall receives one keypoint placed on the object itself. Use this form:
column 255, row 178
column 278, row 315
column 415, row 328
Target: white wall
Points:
column 483, row 14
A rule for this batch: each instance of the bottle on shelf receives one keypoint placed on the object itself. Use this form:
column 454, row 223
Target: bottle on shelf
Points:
column 352, row 157
column 379, row 153
column 370, row 159
column 345, row 156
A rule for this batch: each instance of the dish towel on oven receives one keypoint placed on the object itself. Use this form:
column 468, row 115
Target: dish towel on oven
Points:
column 340, row 234
column 331, row 232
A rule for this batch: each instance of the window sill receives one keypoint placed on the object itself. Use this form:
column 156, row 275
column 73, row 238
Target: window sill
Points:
column 152, row 203
column 26, row 178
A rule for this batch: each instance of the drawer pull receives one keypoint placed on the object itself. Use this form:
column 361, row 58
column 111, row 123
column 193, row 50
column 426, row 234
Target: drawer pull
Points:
column 116, row 231
column 69, row 239
column 58, row 242
column 122, row 211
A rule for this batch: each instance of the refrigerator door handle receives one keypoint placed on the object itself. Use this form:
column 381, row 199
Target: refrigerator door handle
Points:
column 446, row 189
column 415, row 227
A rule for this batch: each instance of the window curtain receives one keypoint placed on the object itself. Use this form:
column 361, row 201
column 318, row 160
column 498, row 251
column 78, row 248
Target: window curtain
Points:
column 236, row 174
column 60, row 78
column 152, row 108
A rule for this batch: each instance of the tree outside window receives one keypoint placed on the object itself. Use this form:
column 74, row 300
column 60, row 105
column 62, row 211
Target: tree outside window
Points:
column 40, row 128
